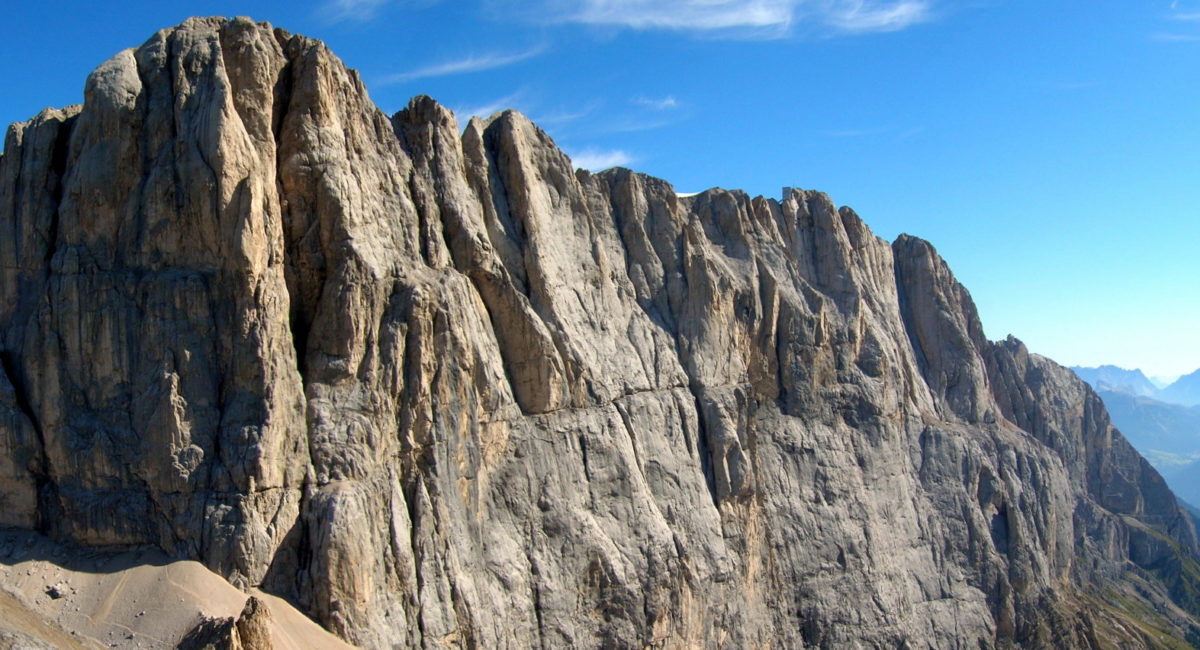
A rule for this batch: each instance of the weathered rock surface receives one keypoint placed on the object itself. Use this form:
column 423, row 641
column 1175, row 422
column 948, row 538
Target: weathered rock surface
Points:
column 1165, row 434
column 251, row 630
column 441, row 389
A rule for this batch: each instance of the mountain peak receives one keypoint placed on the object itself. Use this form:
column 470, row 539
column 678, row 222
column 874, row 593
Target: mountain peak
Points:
column 1185, row 390
column 1110, row 377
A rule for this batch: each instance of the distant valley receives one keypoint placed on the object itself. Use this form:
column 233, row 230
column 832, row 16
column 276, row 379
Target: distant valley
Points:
column 1162, row 424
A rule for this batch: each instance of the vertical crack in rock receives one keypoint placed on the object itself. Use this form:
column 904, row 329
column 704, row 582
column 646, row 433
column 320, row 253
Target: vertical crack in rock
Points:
column 27, row 493
column 58, row 167
column 703, row 450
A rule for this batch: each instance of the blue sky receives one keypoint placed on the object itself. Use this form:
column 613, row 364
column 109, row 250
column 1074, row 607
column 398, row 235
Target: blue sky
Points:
column 1050, row 150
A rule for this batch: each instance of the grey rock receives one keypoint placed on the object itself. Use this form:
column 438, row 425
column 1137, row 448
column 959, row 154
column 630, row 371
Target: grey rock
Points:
column 443, row 390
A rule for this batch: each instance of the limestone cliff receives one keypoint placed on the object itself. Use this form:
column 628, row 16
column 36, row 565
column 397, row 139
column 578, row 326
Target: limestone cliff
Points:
column 441, row 389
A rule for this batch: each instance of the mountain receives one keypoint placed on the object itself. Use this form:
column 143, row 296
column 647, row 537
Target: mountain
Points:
column 1185, row 390
column 1162, row 381
column 1112, row 378
column 1168, row 435
column 437, row 388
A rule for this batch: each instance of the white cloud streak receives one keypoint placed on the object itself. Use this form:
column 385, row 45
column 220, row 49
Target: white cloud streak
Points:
column 634, row 125
column 1180, row 13
column 1186, row 11
column 464, row 113
column 660, row 104
column 1166, row 37
column 685, row 14
column 562, row 116
column 909, row 134
column 877, row 133
column 862, row 16
column 596, row 160
column 337, row 11
column 854, row 133
column 468, row 64
column 744, row 18
column 752, row 18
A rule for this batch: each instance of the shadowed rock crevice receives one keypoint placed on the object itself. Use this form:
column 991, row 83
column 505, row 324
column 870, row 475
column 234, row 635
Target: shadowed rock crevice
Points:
column 29, row 500
column 58, row 169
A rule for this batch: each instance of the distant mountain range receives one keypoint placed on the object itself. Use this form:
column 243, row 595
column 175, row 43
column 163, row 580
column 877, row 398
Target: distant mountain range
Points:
column 1162, row 424
column 1184, row 391
column 1117, row 379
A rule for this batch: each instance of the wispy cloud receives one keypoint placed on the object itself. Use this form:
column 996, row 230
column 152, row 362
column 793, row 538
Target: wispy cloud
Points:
column 562, row 116
column 1168, row 37
column 660, row 104
column 336, row 11
column 464, row 113
column 596, row 159
column 685, row 14
column 471, row 63
column 1184, row 10
column 633, row 125
column 895, row 134
column 863, row 16
column 743, row 18
column 853, row 133
column 1181, row 12
column 738, row 18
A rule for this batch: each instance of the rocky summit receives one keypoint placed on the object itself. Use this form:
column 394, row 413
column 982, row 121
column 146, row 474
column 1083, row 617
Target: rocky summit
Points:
column 435, row 387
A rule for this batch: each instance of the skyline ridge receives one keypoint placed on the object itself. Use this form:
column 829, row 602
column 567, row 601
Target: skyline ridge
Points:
column 1059, row 181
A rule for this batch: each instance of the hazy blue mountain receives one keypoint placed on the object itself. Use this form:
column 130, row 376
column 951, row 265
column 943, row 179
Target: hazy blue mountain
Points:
column 1168, row 435
column 1117, row 379
column 1185, row 390
column 1162, row 381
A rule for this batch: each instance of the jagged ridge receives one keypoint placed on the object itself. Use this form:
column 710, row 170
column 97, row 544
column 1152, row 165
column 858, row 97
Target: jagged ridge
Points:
column 442, row 389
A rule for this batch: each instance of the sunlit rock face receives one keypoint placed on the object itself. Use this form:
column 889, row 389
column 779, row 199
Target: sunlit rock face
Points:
column 442, row 389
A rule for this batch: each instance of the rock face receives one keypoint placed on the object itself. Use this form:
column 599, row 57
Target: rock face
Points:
column 249, row 631
column 1168, row 435
column 441, row 389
